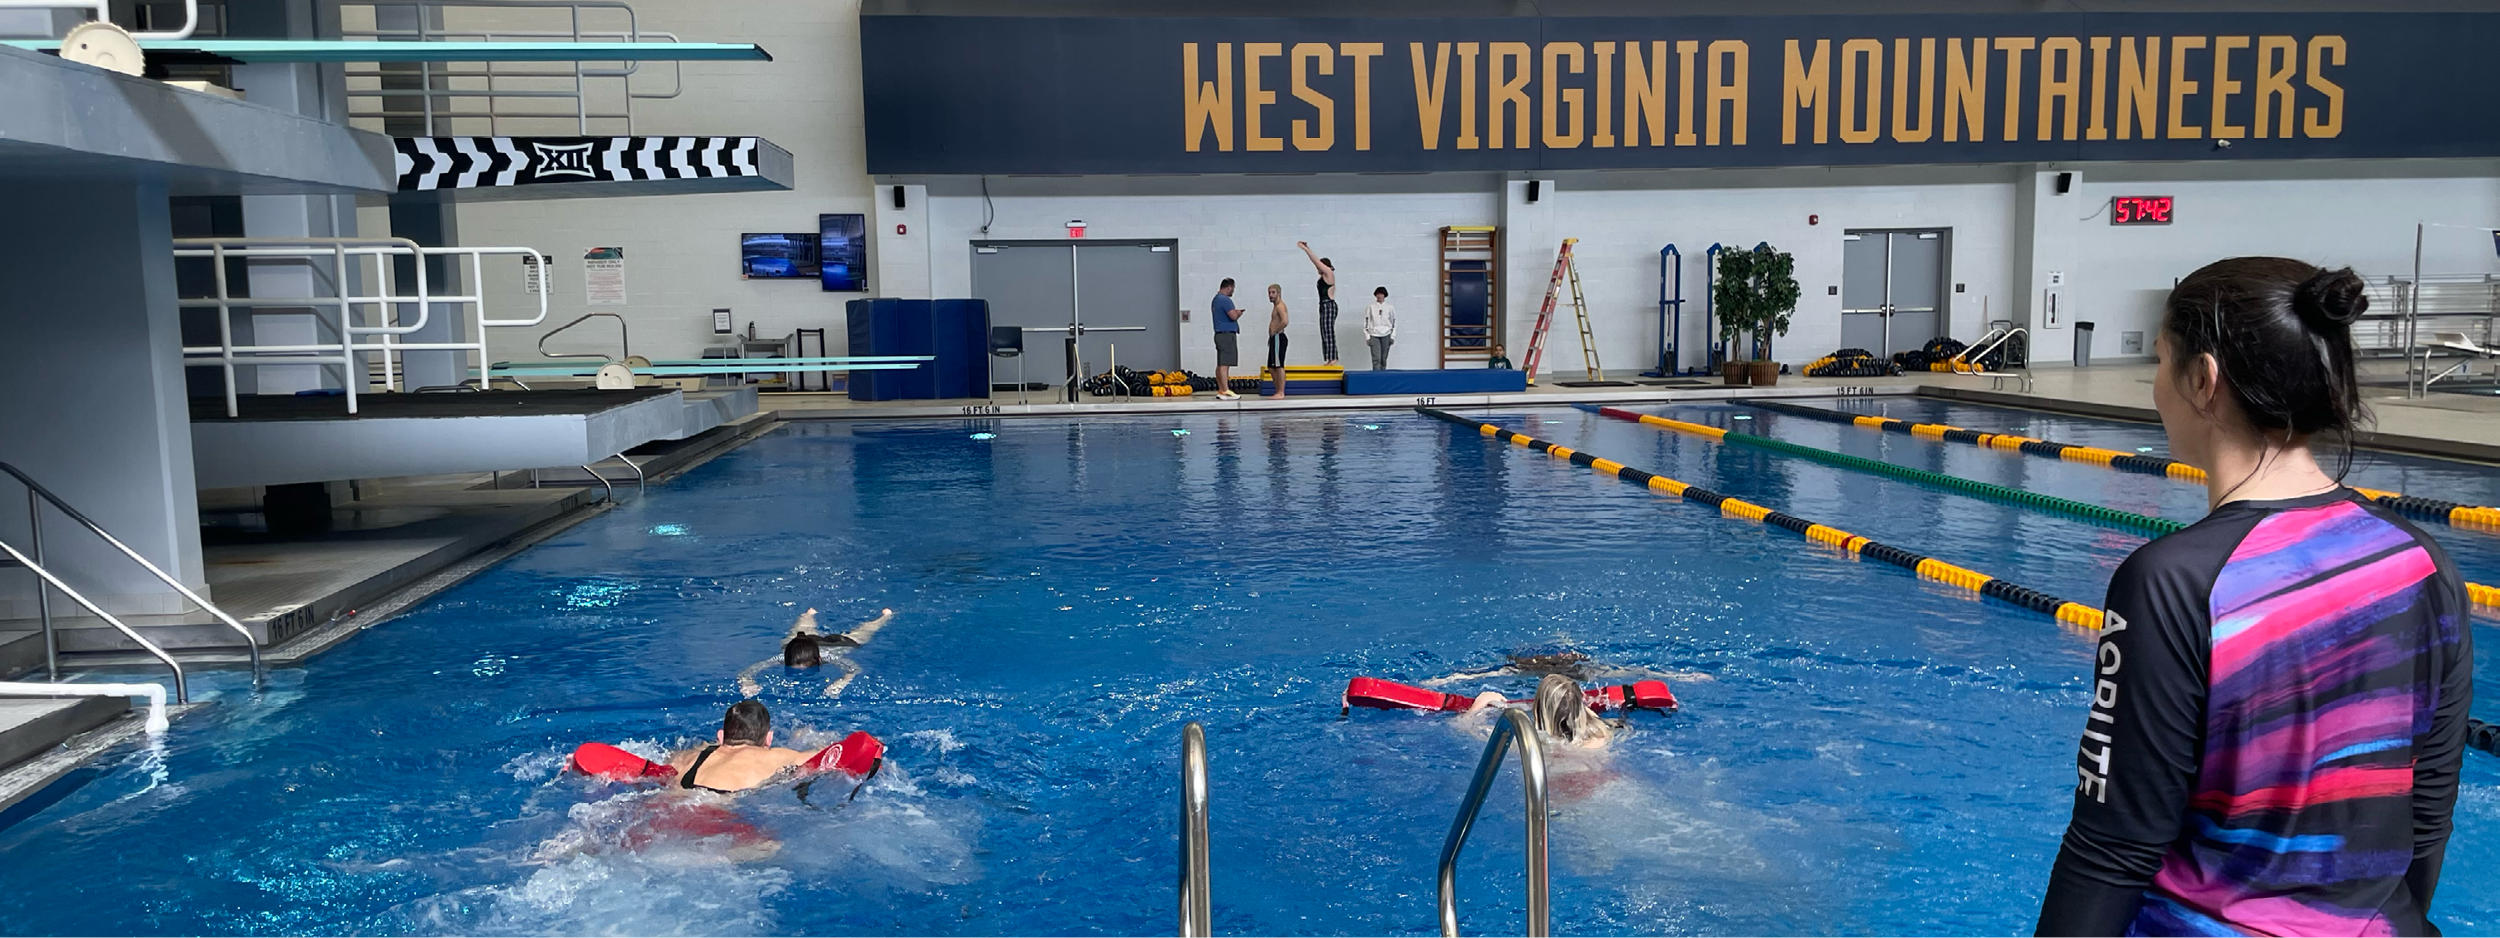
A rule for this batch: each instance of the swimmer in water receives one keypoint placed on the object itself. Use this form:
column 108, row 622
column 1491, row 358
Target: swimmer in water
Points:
column 808, row 648
column 741, row 756
column 1561, row 712
column 1574, row 665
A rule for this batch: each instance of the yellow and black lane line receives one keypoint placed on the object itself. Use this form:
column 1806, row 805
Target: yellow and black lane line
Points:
column 2457, row 514
column 2071, row 613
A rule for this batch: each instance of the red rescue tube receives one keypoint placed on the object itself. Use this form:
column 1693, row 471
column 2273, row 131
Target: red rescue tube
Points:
column 856, row 755
column 1638, row 695
column 1378, row 694
column 615, row 764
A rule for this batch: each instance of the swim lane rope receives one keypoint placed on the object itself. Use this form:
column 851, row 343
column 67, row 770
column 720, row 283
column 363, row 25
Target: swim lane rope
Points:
column 1924, row 566
column 2086, row 511
column 2479, row 594
column 2458, row 514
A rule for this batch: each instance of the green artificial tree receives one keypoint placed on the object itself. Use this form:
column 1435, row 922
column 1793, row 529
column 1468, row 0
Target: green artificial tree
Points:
column 1756, row 294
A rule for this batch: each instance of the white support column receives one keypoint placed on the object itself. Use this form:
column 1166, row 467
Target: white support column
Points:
column 901, row 246
column 1529, row 240
column 2046, row 229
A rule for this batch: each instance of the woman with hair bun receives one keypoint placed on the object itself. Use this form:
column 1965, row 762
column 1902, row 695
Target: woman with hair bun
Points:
column 2280, row 691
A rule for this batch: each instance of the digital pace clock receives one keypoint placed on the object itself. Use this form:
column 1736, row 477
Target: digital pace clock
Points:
column 2139, row 210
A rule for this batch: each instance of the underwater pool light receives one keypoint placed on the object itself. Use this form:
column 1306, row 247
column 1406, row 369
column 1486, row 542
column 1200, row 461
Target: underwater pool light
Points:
column 1371, row 426
column 1180, row 433
column 2143, row 449
column 668, row 530
column 985, row 436
column 1741, row 417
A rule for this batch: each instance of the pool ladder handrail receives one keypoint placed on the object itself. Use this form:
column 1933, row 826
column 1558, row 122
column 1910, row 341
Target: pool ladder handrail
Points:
column 1512, row 726
column 1967, row 363
column 1196, row 912
column 36, row 496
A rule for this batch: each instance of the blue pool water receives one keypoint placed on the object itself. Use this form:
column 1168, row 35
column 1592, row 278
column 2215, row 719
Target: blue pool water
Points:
column 1858, row 751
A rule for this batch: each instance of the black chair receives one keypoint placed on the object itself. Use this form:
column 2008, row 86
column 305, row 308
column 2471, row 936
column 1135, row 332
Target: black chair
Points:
column 1008, row 342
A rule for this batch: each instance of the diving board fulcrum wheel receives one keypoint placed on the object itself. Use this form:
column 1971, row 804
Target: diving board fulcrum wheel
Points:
column 104, row 46
column 613, row 377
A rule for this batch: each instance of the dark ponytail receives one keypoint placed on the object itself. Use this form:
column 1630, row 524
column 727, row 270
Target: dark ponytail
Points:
column 2281, row 330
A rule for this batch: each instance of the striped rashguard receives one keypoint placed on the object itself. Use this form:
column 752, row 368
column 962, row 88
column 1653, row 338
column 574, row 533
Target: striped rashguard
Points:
column 2278, row 719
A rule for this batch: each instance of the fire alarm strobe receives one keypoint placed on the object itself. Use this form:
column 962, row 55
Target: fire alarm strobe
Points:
column 1076, row 228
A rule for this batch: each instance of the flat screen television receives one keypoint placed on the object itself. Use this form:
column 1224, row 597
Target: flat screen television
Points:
column 778, row 256
column 843, row 243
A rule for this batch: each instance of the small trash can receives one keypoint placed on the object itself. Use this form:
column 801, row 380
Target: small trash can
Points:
column 2083, row 344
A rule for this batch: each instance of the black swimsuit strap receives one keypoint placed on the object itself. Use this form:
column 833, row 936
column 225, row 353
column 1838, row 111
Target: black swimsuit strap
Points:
column 686, row 781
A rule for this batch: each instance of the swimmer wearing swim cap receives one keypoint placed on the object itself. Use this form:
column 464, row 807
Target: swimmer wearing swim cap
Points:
column 807, row 648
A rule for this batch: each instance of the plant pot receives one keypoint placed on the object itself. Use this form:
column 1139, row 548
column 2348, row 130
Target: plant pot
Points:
column 1737, row 373
column 1765, row 374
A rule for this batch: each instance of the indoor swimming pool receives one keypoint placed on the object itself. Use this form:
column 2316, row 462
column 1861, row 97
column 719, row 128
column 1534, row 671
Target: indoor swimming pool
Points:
column 1858, row 751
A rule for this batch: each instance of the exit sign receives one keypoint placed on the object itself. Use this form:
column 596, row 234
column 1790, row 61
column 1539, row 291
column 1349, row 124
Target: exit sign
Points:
column 2139, row 210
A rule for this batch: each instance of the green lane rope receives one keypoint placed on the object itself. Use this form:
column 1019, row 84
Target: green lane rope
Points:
column 1928, row 568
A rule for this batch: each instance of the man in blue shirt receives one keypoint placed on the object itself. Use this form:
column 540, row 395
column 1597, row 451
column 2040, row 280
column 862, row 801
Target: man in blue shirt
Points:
column 1227, row 340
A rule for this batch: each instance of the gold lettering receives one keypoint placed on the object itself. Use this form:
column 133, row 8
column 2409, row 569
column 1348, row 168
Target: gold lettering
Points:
column 1645, row 96
column 2014, row 48
column 1808, row 87
column 1965, row 90
column 1573, row 98
column 1362, row 54
column 2278, row 57
column 1254, row 98
column 1500, row 91
column 1902, row 131
column 1728, row 85
column 1605, row 110
column 1432, row 85
column 1210, row 104
column 1467, row 52
column 2098, row 128
column 2181, row 87
column 2139, row 88
column 2333, row 124
column 1303, row 53
column 2061, row 80
column 1685, row 49
column 2224, row 87
column 1853, row 129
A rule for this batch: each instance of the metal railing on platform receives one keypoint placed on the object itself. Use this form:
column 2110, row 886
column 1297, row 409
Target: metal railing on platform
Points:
column 358, row 323
column 493, row 98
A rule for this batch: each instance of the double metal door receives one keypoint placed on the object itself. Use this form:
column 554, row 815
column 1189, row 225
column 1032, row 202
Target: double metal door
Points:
column 1104, row 294
column 1892, row 289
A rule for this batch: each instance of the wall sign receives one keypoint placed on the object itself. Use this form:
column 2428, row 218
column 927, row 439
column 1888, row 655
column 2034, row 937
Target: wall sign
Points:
column 1104, row 95
column 2139, row 210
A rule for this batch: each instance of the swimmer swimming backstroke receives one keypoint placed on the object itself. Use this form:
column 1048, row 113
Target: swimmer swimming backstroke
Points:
column 808, row 648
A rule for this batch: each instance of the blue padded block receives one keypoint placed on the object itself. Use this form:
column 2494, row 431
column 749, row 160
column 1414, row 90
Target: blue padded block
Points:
column 1435, row 381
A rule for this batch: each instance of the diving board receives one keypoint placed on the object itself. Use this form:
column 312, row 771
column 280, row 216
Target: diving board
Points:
column 287, row 51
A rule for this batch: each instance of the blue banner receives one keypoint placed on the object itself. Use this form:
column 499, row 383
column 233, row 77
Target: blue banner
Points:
column 1117, row 95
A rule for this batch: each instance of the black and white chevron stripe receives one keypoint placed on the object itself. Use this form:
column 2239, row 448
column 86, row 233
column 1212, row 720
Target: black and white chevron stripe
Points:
column 431, row 163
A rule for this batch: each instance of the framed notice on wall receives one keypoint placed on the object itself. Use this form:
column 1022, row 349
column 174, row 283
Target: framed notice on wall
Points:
column 603, row 276
column 842, row 250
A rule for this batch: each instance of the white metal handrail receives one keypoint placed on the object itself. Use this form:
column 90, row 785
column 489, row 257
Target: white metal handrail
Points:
column 103, row 12
column 155, row 693
column 434, row 80
column 36, row 495
column 1197, row 914
column 1513, row 726
column 348, row 311
column 182, row 692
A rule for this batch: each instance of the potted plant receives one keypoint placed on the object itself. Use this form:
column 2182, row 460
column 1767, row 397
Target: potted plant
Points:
column 1756, row 294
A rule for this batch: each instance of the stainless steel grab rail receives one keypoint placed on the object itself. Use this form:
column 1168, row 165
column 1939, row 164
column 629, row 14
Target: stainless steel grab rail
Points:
column 1197, row 913
column 624, row 339
column 182, row 692
column 34, row 521
column 1513, row 726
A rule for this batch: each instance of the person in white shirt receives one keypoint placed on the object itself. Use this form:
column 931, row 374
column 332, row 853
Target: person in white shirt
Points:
column 1380, row 327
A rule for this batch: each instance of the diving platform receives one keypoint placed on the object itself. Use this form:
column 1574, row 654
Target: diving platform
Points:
column 324, row 51
column 277, row 440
